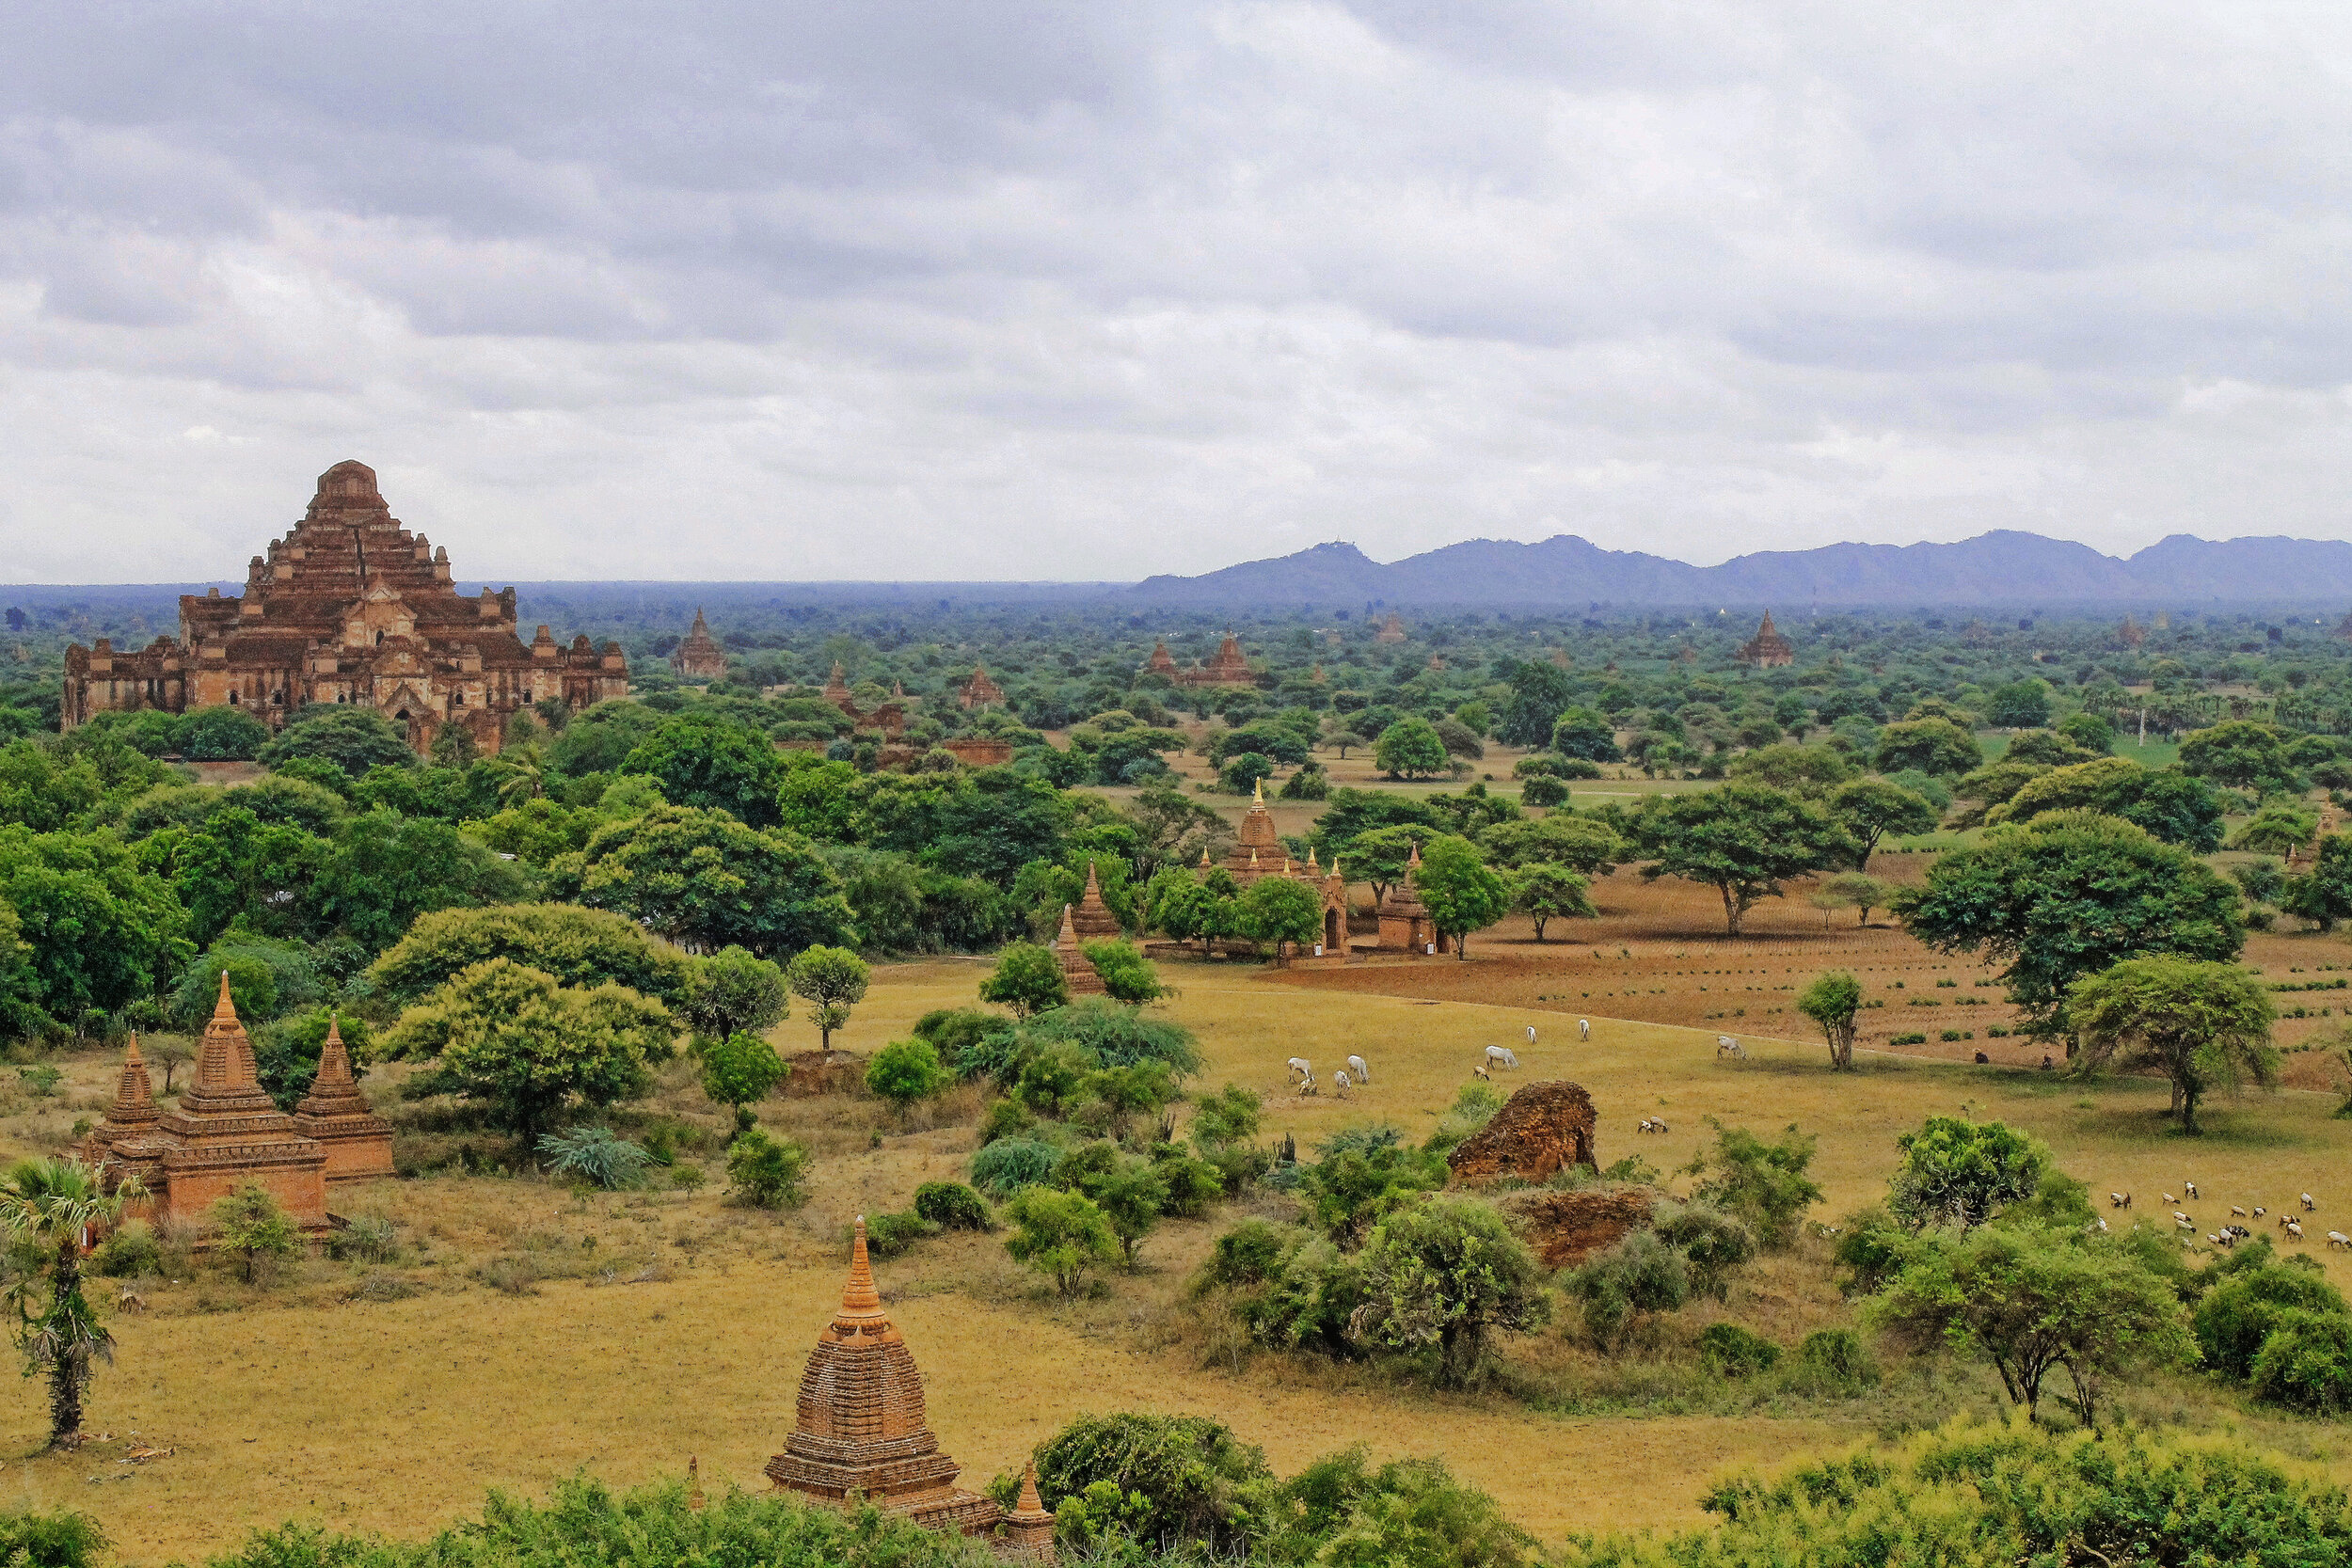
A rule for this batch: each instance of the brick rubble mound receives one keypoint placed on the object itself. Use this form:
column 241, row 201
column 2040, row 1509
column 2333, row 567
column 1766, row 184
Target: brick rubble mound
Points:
column 1541, row 1127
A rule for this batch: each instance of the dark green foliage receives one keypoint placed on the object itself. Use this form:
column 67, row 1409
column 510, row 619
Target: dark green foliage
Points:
column 1837, row 1355
column 1642, row 1274
column 1111, row 1035
column 1763, row 1183
column 701, row 878
column 353, row 739
column 703, row 761
column 1962, row 1173
column 102, row 932
column 1711, row 1242
column 955, row 1032
column 1009, row 1165
column 286, row 1051
column 888, row 1235
column 1356, row 1184
column 1341, row 1513
column 130, row 1253
column 595, row 1156
column 2306, row 1363
column 1195, row 1479
column 1441, row 1276
column 1730, row 1351
column 1540, row 697
column 578, row 946
column 2237, row 1315
column 953, row 1206
column 767, row 1172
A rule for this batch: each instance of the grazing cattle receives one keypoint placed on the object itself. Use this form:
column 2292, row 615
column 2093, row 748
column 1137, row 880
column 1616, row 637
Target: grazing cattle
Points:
column 2189, row 1187
column 2337, row 1238
column 2259, row 1211
column 2118, row 1200
column 1584, row 1028
column 1530, row 1037
column 2170, row 1198
column 1299, row 1066
column 1726, row 1046
column 2308, row 1204
column 1983, row 1059
column 1499, row 1055
column 2236, row 1212
column 1340, row 1085
column 2183, row 1218
column 1306, row 1086
column 1480, row 1072
column 1356, row 1065
column 1652, row 1124
column 2295, row 1229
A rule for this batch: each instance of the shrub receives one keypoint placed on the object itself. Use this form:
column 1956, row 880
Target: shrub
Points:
column 1062, row 1235
column 767, row 1172
column 1473, row 1107
column 1009, row 1165
column 1111, row 1035
column 1195, row 1479
column 955, row 1032
column 1914, row 1038
column 1442, row 1274
column 54, row 1540
column 1730, row 1351
column 953, row 1206
column 249, row 1223
column 127, row 1254
column 1248, row 1254
column 1764, row 1184
column 596, row 1155
column 1544, row 790
column 1838, row 1354
column 904, row 1071
column 1641, row 1274
column 2306, row 1362
column 369, row 1239
column 2238, row 1314
column 888, row 1235
column 1712, row 1242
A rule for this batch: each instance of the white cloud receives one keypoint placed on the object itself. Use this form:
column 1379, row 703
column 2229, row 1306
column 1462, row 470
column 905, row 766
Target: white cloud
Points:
column 966, row 290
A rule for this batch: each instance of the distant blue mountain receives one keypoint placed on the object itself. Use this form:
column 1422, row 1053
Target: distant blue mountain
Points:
column 2004, row 568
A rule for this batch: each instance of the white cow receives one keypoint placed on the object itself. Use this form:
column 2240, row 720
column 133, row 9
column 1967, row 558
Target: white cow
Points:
column 1584, row 1028
column 1300, row 1067
column 1340, row 1085
column 1530, row 1037
column 1355, row 1064
column 1498, row 1056
column 1726, row 1046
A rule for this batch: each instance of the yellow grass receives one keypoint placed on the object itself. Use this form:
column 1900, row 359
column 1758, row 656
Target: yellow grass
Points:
column 396, row 1416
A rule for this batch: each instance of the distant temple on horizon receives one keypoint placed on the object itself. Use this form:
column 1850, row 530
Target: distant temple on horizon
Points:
column 351, row 608
column 1230, row 667
column 1767, row 649
column 699, row 657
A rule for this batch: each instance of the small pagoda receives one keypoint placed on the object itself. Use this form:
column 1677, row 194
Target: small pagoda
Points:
column 1078, row 970
column 1766, row 649
column 1258, row 850
column 356, row 1141
column 859, row 1432
column 1404, row 925
column 978, row 691
column 1092, row 918
column 699, row 657
column 1230, row 667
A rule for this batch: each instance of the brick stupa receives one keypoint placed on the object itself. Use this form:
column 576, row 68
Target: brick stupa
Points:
column 859, row 1425
column 226, row 1134
column 1078, row 970
column 357, row 1143
column 1093, row 918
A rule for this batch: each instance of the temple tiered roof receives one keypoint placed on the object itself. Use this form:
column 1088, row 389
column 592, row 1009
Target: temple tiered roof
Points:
column 1076, row 968
column 1093, row 918
column 358, row 1142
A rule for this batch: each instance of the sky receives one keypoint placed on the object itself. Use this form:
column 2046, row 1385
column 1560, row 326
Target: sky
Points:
column 927, row 288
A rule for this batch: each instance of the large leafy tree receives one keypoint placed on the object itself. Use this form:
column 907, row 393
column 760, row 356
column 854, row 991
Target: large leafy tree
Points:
column 2323, row 896
column 2033, row 1302
column 387, row 870
column 102, row 932
column 578, row 946
column 236, row 866
column 220, row 734
column 1870, row 809
column 704, row 760
column 528, row 1048
column 2070, row 896
column 1462, row 893
column 1540, row 693
column 1961, row 1174
column 1547, row 892
column 1282, row 912
column 1028, row 978
column 1586, row 734
column 702, row 878
column 1445, row 1275
column 2242, row 754
column 2199, row 1025
column 2171, row 805
column 733, row 992
column 1741, row 840
column 1411, row 748
column 353, row 739
column 53, row 1206
column 1811, row 771
column 1933, row 746
column 832, row 980
column 1584, row 845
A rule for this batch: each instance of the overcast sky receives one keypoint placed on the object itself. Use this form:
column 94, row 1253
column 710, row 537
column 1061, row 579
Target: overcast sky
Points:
column 966, row 290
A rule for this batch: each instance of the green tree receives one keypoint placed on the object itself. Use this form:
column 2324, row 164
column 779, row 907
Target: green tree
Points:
column 2032, row 1302
column 1540, row 695
column 1282, row 912
column 1240, row 774
column 1586, row 733
column 1127, row 975
column 1811, row 771
column 387, row 870
column 2280, row 827
column 353, row 739
column 1062, row 1235
column 1643, row 1273
column 1178, row 903
column 1358, row 1181
column 709, row 762
column 2198, row 1023
column 1960, row 1173
column 1870, row 809
column 733, row 992
column 2071, row 896
column 221, row 735
column 1444, row 1274
column 1935, row 746
column 253, row 1225
column 526, row 1047
column 1833, row 1002
column 1764, row 1184
column 1463, row 893
column 1584, row 845
column 100, row 931
column 904, row 1071
column 2019, row 706
column 1856, row 892
column 767, row 1172
column 578, row 946
column 833, row 980
column 1550, row 893
column 1410, row 748
column 740, row 1069
column 703, row 879
column 1742, row 840
column 1028, row 978
column 2237, row 1314
column 2306, row 1363
column 234, row 866
column 2241, row 755
column 1132, row 1198
column 2323, row 894
column 50, row 1207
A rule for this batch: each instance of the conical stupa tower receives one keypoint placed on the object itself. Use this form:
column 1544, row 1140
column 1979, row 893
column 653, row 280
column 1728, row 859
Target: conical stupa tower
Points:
column 358, row 1142
column 124, row 1142
column 1078, row 970
column 227, row 1133
column 1257, row 834
column 859, row 1423
column 1093, row 918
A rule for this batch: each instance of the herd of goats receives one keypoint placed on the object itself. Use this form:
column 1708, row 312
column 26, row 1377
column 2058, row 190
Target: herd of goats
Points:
column 2233, row 1232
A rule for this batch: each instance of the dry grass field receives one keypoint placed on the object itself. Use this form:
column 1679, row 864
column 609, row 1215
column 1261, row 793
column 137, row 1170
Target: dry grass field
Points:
column 529, row 1332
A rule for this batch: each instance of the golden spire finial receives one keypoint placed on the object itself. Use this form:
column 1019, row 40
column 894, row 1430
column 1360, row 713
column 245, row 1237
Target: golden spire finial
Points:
column 224, row 1010
column 859, row 1298
column 1030, row 1502
column 1257, row 796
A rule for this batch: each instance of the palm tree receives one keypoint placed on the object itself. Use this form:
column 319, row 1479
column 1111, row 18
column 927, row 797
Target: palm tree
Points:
column 525, row 776
column 58, row 1206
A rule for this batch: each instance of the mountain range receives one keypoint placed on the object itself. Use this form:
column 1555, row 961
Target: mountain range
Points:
column 2004, row 568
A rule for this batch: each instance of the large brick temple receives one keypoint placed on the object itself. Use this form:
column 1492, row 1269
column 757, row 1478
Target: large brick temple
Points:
column 348, row 608
column 859, row 1432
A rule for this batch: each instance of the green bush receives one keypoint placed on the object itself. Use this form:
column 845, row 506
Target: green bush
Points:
column 767, row 1172
column 1763, row 1183
column 1913, row 1038
column 1005, row 1117
column 596, row 1155
column 1838, row 1354
column 1248, row 1254
column 130, row 1253
column 1641, row 1274
column 1196, row 1481
column 2238, row 1314
column 2306, row 1362
column 369, row 1239
column 888, row 1235
column 1544, row 790
column 953, row 1206
column 1730, row 1351
column 1009, row 1165
column 55, row 1540
column 1712, row 1241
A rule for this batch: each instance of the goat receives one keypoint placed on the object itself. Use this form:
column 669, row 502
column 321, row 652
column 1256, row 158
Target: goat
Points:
column 1584, row 1028
column 2337, row 1238
column 2295, row 1229
column 1300, row 1067
column 2118, row 1200
column 131, row 1300
column 2308, row 1204
column 1984, row 1060
column 1340, row 1085
column 1306, row 1085
column 1480, row 1072
column 2170, row 1198
column 2236, row 1212
column 1356, row 1065
column 1497, row 1056
column 2183, row 1218
column 2189, row 1187
column 2259, row 1211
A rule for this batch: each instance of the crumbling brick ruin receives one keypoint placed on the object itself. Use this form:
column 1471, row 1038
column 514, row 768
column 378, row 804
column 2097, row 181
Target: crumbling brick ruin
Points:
column 1565, row 1229
column 1541, row 1127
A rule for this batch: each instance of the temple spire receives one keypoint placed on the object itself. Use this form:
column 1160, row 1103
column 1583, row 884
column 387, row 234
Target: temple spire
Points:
column 860, row 1300
column 225, row 1011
